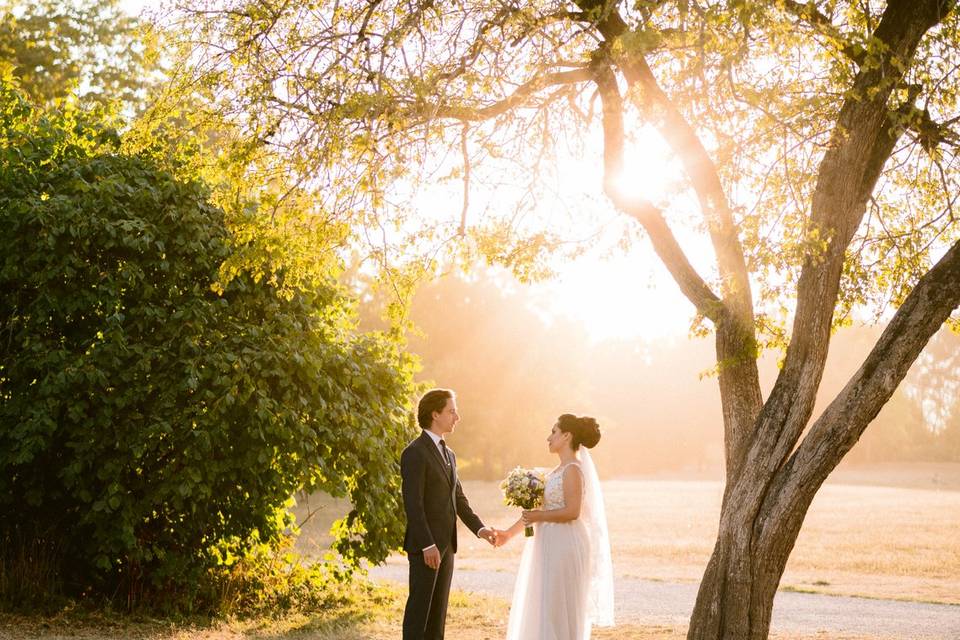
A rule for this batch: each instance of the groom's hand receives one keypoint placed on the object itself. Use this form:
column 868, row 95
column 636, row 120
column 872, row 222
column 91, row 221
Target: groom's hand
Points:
column 490, row 535
column 431, row 557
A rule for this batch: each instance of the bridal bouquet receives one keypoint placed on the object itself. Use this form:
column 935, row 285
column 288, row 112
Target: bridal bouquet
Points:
column 523, row 488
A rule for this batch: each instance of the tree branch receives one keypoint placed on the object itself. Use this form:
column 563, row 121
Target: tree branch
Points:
column 524, row 92
column 808, row 12
column 425, row 112
column 476, row 48
column 699, row 167
column 862, row 141
column 736, row 333
column 664, row 242
column 928, row 132
column 465, row 153
column 834, row 433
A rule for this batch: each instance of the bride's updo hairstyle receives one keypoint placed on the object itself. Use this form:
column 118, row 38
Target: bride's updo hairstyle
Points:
column 585, row 430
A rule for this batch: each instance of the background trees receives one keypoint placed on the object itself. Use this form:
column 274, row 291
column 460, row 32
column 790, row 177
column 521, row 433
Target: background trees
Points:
column 89, row 49
column 490, row 338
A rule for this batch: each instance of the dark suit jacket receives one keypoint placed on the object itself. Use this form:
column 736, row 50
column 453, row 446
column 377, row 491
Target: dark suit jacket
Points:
column 432, row 498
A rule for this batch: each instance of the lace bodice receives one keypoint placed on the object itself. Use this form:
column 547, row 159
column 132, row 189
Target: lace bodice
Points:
column 553, row 488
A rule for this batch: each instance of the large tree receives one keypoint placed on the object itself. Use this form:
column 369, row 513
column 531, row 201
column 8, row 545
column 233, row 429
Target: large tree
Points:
column 816, row 144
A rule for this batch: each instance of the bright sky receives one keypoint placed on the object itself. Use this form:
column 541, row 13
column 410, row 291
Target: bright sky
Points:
column 627, row 296
column 133, row 7
column 614, row 292
column 630, row 293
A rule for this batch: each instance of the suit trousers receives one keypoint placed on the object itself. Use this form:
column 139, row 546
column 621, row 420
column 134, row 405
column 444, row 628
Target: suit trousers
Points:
column 425, row 615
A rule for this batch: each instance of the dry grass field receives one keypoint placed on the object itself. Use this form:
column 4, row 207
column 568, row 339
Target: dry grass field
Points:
column 374, row 617
column 898, row 542
column 861, row 539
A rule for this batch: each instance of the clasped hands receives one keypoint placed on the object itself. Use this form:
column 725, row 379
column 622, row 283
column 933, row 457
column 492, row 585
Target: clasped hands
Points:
column 491, row 535
column 499, row 537
column 496, row 537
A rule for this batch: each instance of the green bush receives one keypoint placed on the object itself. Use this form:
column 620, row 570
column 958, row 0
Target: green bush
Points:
column 152, row 430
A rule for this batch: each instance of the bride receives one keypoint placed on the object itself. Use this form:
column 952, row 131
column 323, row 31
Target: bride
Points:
column 565, row 582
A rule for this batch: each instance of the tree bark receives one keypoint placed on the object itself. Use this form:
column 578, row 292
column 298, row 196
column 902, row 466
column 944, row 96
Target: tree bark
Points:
column 835, row 432
column 766, row 496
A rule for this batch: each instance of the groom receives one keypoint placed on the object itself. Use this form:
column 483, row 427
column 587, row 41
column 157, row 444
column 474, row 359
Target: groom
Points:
column 432, row 499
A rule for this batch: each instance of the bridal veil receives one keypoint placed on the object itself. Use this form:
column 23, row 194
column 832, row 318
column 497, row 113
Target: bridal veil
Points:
column 594, row 516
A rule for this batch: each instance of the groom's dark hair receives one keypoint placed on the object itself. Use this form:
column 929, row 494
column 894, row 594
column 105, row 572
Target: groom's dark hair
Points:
column 433, row 400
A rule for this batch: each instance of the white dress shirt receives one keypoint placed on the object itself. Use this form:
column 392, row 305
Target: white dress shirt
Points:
column 436, row 440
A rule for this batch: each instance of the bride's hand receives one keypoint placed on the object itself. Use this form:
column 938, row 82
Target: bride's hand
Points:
column 530, row 516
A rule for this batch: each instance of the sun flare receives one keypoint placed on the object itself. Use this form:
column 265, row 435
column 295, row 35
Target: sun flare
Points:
column 628, row 294
column 624, row 297
column 649, row 170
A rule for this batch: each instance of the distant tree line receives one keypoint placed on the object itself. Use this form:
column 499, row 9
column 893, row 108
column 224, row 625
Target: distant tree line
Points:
column 515, row 372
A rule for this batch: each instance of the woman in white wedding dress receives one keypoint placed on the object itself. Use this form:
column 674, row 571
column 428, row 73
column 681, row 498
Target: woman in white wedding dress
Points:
column 565, row 581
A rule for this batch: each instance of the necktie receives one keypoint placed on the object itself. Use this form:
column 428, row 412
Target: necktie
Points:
column 443, row 450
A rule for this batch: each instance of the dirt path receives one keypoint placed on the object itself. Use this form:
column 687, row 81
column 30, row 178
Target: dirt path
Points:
column 669, row 604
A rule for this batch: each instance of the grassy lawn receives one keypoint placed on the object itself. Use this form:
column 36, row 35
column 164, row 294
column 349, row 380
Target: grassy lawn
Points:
column 373, row 615
column 858, row 539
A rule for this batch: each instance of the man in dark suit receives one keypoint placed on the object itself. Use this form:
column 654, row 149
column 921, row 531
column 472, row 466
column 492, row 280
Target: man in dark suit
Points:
column 433, row 499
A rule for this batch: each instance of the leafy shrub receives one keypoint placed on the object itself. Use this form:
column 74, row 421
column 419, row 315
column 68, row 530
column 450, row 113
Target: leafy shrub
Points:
column 154, row 421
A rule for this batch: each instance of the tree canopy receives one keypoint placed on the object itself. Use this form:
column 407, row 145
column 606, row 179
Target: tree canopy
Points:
column 364, row 98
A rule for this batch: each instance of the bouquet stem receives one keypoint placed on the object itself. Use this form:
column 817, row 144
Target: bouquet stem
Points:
column 528, row 531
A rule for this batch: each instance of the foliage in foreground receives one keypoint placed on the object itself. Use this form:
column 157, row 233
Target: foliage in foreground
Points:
column 155, row 418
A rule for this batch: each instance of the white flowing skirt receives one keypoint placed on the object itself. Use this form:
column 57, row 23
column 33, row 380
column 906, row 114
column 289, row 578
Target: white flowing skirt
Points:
column 550, row 595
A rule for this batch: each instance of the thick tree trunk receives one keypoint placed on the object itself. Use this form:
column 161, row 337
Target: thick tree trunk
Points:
column 771, row 488
column 729, row 603
column 762, row 515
